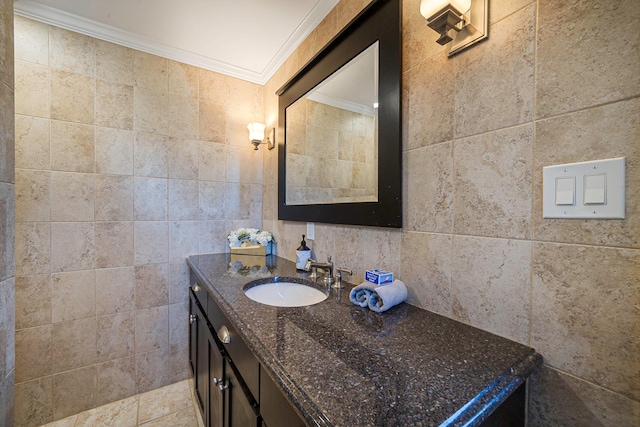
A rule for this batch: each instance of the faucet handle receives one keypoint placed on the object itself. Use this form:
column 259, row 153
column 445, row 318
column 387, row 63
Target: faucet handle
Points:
column 339, row 270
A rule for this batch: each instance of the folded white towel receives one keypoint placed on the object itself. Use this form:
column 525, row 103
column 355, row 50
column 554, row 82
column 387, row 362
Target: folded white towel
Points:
column 387, row 296
column 360, row 294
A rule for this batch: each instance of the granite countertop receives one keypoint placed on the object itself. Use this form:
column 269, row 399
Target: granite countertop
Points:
column 343, row 365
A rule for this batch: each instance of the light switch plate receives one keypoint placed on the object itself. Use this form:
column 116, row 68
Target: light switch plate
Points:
column 613, row 194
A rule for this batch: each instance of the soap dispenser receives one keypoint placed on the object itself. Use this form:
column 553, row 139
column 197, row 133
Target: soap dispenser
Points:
column 303, row 253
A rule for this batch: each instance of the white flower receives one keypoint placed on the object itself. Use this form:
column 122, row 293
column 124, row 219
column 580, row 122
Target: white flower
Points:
column 252, row 236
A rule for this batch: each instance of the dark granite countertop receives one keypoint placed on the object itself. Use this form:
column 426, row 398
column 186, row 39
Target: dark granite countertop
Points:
column 342, row 365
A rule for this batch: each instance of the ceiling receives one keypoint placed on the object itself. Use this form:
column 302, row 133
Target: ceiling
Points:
column 247, row 39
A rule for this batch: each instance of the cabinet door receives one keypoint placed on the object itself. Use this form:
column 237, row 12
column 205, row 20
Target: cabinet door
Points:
column 199, row 357
column 216, row 384
column 241, row 408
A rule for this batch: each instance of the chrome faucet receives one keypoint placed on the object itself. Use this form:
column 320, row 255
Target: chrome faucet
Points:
column 328, row 266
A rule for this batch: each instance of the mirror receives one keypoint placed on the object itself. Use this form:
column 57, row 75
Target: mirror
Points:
column 334, row 127
column 340, row 114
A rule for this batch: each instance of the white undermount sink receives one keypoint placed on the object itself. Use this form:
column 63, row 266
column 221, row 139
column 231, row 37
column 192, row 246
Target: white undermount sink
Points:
column 280, row 292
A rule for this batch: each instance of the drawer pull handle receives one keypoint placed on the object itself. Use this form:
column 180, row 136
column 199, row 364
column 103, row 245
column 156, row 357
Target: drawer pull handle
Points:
column 192, row 319
column 195, row 287
column 217, row 381
column 223, row 387
column 223, row 335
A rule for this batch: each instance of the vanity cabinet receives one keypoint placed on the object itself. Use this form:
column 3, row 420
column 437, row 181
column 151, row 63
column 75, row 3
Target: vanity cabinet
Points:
column 228, row 380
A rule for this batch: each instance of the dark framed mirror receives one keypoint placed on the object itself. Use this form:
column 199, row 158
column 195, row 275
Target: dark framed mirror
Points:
column 340, row 159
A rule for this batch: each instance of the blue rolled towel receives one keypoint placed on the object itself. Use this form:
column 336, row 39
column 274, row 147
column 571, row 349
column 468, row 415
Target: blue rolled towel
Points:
column 385, row 297
column 360, row 294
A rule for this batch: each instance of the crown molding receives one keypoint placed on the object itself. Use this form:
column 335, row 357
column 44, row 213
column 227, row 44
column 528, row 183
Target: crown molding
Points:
column 91, row 28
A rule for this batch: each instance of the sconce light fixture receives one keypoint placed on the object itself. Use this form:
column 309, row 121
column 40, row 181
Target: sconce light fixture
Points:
column 257, row 136
column 459, row 22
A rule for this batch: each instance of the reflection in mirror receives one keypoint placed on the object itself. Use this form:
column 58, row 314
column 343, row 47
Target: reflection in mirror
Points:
column 332, row 137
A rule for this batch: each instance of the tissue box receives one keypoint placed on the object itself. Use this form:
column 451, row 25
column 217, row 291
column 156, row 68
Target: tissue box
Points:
column 378, row 277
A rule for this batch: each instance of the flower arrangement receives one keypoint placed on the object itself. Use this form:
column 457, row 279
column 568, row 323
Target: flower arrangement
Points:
column 243, row 237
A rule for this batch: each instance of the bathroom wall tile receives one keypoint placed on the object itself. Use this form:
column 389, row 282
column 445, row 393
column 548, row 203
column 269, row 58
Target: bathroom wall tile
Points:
column 33, row 403
column 116, row 380
column 183, row 158
column 151, row 285
column 74, row 391
column 557, row 399
column 213, row 237
column 179, row 362
column 32, row 143
column 152, row 370
column 211, row 86
column 7, row 399
column 381, row 249
column 426, row 270
column 243, row 201
column 346, row 11
column 74, row 344
column 114, row 151
column 178, row 327
column 33, row 301
column 183, row 199
column 32, row 197
column 72, row 97
column 183, row 116
column 429, row 189
column 33, row 353
column 150, row 71
column 236, row 121
column 183, row 239
column 113, row 62
column 71, row 51
column 183, row 79
column 500, row 9
column 115, row 335
column 578, row 137
column 72, row 246
column 150, row 199
column 150, row 155
column 114, row 105
column 72, row 147
column 31, row 40
column 244, row 96
column 72, row 196
column 73, row 295
column 212, row 122
column 242, row 164
column 7, row 230
column 7, row 326
column 492, row 184
column 212, row 161
column 151, row 242
column 349, row 250
column 487, row 72
column 121, row 413
column 151, row 110
column 490, row 285
column 573, row 82
column 114, row 198
column 179, row 282
column 580, row 322
column 114, row 290
column 32, row 90
column 114, row 244
column 7, row 137
column 431, row 102
column 152, row 329
column 33, row 248
column 212, row 200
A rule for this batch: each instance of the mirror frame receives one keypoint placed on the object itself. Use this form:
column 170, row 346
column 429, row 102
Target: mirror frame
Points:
column 380, row 21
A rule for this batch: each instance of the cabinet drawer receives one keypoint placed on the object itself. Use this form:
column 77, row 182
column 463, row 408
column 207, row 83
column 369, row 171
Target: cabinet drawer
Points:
column 199, row 290
column 275, row 409
column 243, row 359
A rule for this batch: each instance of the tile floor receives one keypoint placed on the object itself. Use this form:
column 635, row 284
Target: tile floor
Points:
column 170, row 406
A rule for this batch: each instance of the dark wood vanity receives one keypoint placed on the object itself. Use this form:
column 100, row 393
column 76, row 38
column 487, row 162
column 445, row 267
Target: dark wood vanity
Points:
column 335, row 364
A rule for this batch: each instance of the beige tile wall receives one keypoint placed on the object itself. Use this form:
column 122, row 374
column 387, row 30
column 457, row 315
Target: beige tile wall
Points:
column 7, row 216
column 125, row 163
column 555, row 83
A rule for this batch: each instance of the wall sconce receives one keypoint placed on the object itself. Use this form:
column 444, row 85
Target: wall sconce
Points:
column 468, row 19
column 257, row 136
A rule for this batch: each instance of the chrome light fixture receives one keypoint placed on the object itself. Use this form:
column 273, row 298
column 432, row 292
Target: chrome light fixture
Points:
column 461, row 23
column 257, row 137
